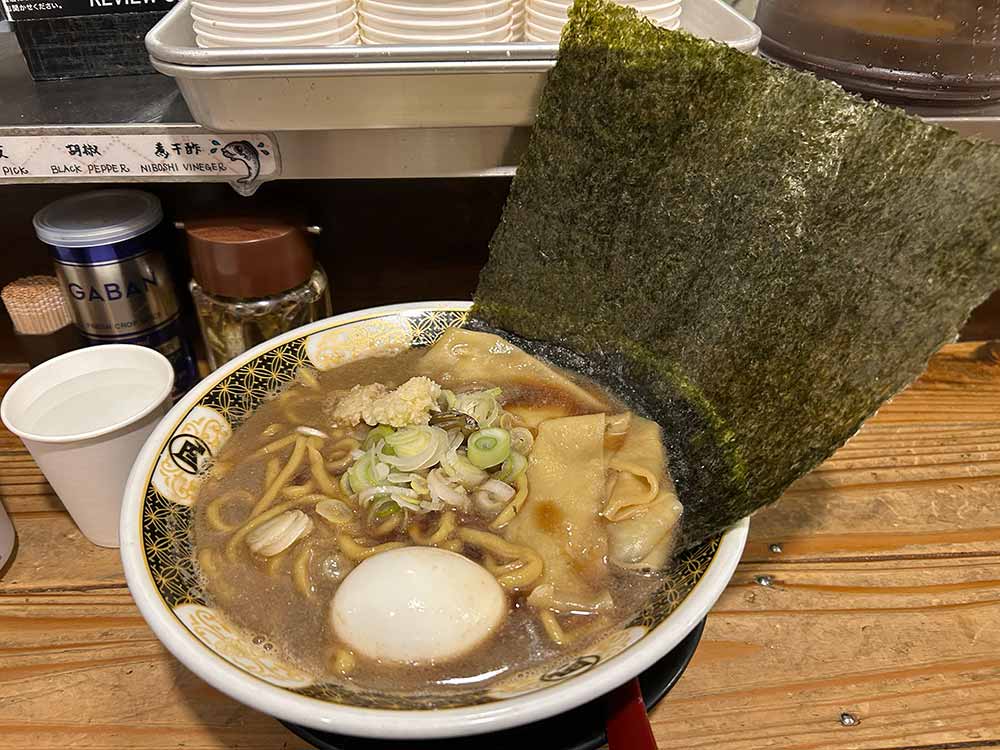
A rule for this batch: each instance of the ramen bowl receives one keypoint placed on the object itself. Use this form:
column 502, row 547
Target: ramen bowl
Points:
column 156, row 549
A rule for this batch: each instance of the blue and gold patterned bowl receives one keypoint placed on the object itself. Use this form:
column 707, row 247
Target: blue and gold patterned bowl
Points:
column 156, row 552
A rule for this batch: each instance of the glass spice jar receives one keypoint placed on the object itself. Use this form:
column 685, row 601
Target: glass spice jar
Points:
column 253, row 279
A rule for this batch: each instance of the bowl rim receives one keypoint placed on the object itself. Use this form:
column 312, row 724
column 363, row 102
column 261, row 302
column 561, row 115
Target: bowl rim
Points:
column 381, row 723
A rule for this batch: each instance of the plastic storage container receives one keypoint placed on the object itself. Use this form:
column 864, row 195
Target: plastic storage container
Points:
column 925, row 54
column 106, row 245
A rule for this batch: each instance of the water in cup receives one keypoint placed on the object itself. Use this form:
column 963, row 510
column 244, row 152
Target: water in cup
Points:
column 91, row 401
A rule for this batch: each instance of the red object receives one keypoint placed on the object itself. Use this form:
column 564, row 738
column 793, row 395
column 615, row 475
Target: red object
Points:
column 627, row 723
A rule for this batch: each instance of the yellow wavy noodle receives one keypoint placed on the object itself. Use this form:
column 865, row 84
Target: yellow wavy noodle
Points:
column 271, row 472
column 498, row 569
column 344, row 444
column 294, row 461
column 339, row 463
column 213, row 511
column 446, row 525
column 453, row 545
column 512, row 508
column 206, row 563
column 300, row 572
column 274, row 563
column 356, row 552
column 314, row 497
column 526, row 573
column 562, row 637
column 298, row 490
column 273, row 447
column 323, row 480
column 552, row 627
column 388, row 526
column 339, row 455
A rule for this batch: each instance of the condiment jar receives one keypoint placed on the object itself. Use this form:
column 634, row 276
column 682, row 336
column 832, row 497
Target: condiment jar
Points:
column 106, row 245
column 253, row 279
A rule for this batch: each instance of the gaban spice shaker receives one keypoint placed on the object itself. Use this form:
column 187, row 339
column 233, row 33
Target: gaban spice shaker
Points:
column 106, row 245
column 253, row 279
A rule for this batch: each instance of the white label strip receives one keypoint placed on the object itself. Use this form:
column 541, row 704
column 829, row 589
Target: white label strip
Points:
column 241, row 158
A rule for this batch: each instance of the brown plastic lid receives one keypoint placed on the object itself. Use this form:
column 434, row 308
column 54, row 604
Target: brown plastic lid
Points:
column 248, row 257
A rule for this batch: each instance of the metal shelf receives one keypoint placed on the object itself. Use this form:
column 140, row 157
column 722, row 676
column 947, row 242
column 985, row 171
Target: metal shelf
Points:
column 133, row 101
column 152, row 105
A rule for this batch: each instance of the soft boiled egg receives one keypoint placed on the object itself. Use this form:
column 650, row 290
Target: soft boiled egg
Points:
column 417, row 605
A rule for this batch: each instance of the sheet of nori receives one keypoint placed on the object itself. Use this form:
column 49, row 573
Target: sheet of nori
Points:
column 762, row 258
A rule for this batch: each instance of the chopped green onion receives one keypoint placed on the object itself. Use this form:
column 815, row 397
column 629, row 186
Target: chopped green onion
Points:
column 512, row 468
column 419, row 485
column 522, row 440
column 409, row 441
column 362, row 474
column 383, row 506
column 488, row 448
column 458, row 467
column 378, row 433
column 481, row 405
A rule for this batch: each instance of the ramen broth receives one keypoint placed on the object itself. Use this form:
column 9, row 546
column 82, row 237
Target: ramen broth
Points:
column 285, row 596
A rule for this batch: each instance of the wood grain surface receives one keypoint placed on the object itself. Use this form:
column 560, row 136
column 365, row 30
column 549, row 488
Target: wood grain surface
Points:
column 865, row 614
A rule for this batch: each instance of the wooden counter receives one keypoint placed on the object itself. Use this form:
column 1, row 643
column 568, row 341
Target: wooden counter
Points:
column 865, row 614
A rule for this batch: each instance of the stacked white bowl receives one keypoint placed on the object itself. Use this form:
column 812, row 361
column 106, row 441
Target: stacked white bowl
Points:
column 274, row 23
column 519, row 6
column 544, row 19
column 436, row 21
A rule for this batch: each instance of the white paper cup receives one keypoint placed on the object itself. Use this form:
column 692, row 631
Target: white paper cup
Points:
column 84, row 416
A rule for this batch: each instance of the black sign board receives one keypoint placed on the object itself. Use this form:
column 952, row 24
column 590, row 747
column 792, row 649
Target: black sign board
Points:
column 21, row 10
